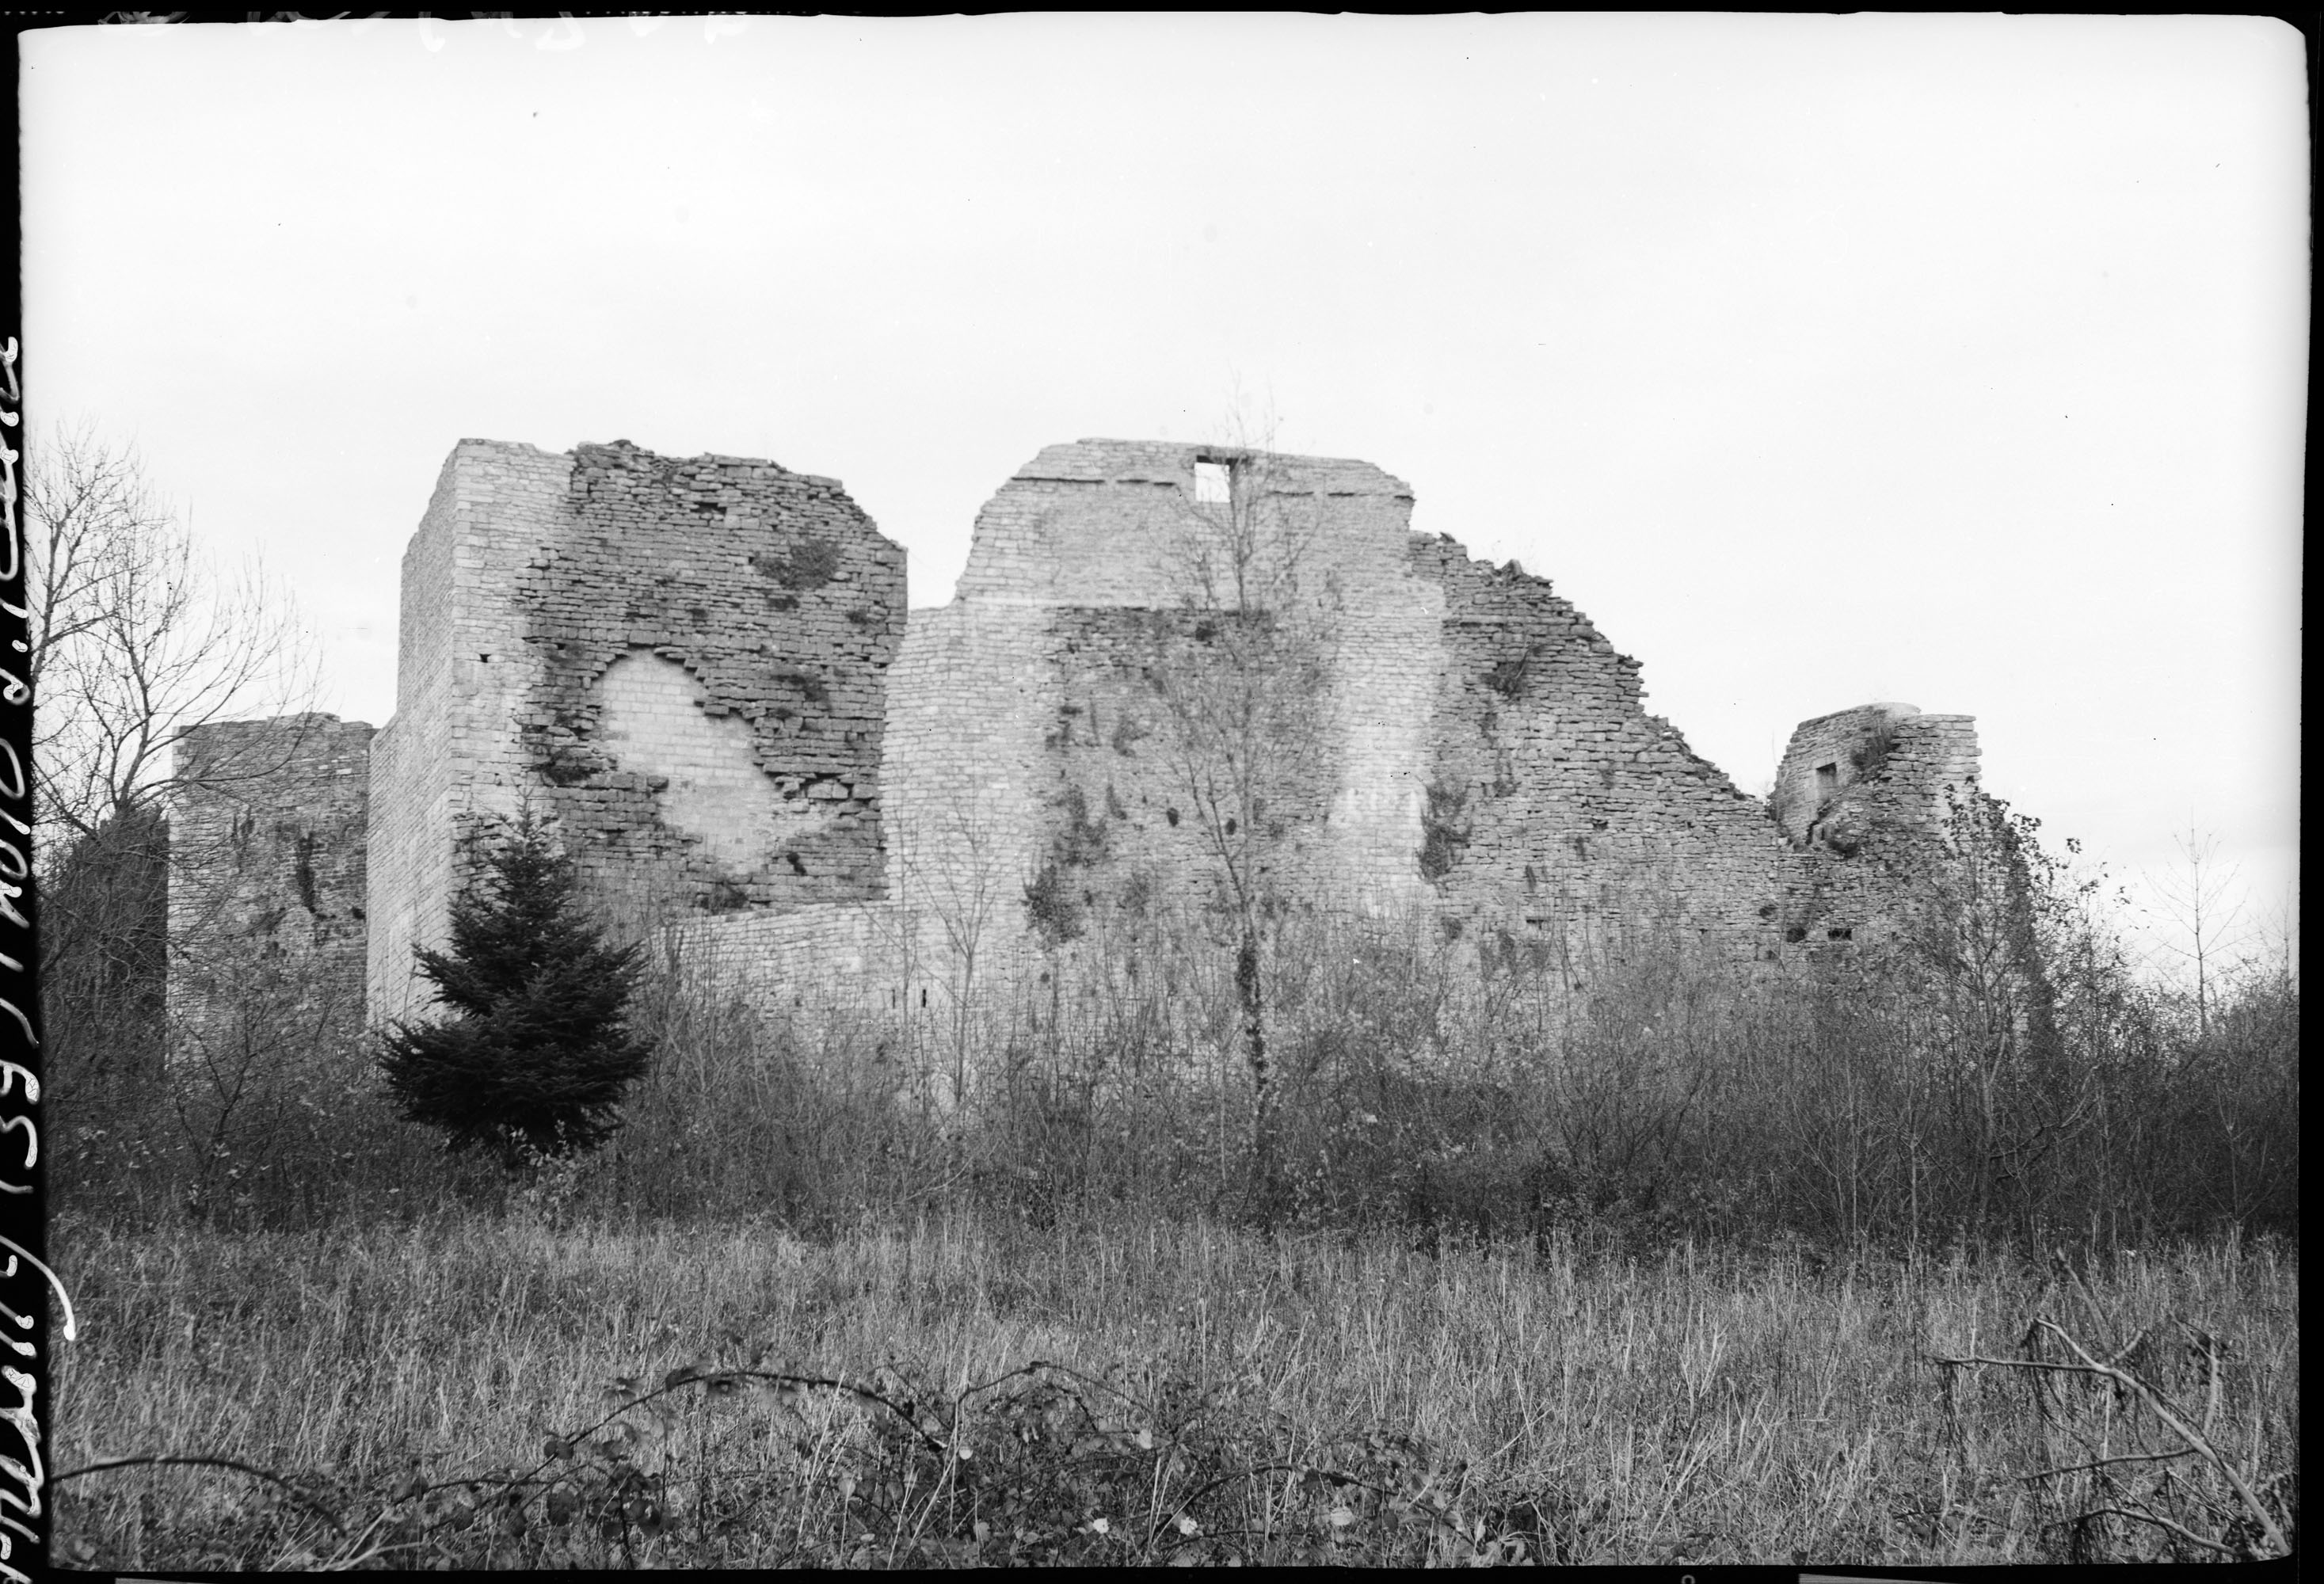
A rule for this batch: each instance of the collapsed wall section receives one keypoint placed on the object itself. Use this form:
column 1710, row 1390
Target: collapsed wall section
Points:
column 681, row 662
column 268, row 840
column 1554, row 798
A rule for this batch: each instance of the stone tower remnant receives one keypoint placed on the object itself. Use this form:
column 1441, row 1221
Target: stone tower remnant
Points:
column 267, row 838
column 680, row 661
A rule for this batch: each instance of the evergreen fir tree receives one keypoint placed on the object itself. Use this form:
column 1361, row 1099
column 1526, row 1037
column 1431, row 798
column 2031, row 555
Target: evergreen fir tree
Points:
column 536, row 1055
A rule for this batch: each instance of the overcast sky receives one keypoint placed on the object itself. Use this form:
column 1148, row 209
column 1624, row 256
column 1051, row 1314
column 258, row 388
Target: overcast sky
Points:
column 1959, row 361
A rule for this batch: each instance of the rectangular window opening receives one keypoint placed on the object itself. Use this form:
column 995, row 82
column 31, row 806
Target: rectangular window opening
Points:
column 1827, row 779
column 1214, row 483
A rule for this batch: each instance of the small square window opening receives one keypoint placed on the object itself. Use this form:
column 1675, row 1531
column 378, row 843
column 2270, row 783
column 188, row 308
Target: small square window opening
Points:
column 1213, row 483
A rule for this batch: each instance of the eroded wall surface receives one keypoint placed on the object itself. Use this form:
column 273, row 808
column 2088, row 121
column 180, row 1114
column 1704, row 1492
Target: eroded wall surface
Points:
column 268, row 841
column 681, row 661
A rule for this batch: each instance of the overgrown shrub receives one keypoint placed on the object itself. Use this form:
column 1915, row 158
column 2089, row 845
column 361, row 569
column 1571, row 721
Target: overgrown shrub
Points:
column 1639, row 1090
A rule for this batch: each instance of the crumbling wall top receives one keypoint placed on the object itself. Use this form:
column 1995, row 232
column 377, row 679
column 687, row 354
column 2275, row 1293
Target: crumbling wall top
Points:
column 1104, row 522
column 1172, row 462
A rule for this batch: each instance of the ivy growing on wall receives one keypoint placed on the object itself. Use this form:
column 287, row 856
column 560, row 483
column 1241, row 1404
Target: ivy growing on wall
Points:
column 1443, row 830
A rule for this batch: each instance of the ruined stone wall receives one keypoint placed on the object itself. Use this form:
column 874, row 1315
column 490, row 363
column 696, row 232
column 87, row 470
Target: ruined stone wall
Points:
column 1024, row 732
column 680, row 661
column 418, row 755
column 1886, row 760
column 268, row 840
column 1137, row 694
column 1864, row 798
column 1473, row 748
column 1555, row 798
column 1106, row 534
column 969, row 700
column 963, row 782
column 700, row 671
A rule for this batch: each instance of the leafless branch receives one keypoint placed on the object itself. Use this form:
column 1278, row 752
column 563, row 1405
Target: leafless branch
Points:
column 2128, row 1381
column 2108, row 1462
column 135, row 640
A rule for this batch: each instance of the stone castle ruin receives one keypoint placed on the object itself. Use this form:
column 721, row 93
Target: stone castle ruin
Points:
column 703, row 671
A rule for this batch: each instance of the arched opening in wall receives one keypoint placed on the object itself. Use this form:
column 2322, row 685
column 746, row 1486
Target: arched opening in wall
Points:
column 654, row 723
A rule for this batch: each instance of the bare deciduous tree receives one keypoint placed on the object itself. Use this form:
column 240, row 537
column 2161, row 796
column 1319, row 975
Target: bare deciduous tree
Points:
column 955, row 881
column 135, row 640
column 133, row 644
column 2203, row 901
column 1241, row 694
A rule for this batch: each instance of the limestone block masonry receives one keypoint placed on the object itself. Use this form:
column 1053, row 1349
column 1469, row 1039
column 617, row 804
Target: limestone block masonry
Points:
column 268, row 837
column 1084, row 556
column 682, row 662
column 702, row 671
column 1557, row 805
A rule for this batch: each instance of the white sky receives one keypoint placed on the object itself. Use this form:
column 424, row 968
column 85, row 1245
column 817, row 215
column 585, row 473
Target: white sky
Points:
column 1954, row 360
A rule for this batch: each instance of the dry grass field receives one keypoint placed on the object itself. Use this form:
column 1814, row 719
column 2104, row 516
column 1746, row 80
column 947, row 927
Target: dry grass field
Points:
column 533, row 1389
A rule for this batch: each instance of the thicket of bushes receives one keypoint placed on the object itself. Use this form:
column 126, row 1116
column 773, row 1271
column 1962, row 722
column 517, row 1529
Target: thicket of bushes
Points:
column 1915, row 1095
